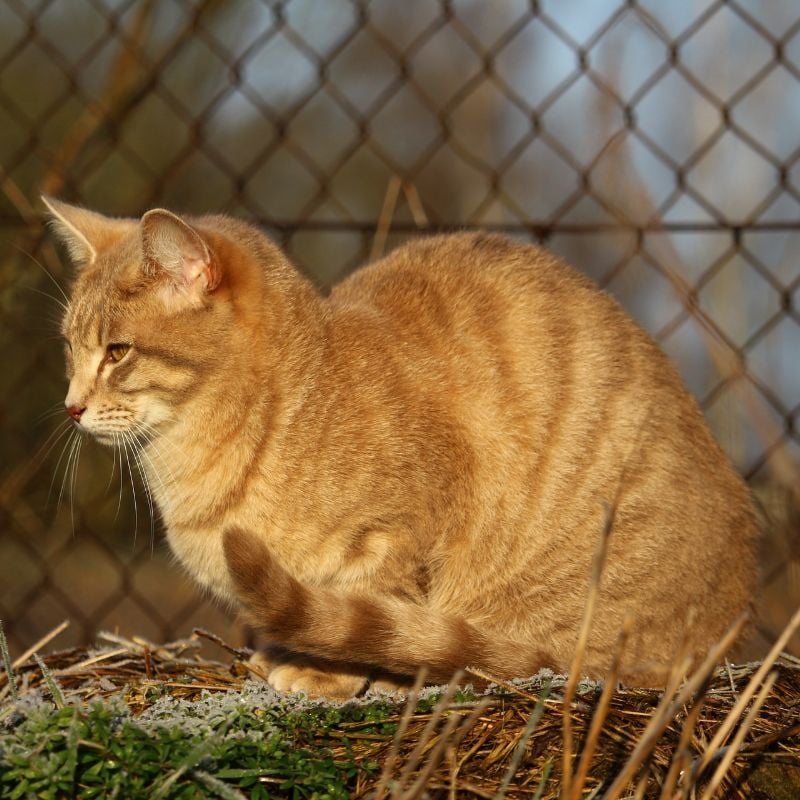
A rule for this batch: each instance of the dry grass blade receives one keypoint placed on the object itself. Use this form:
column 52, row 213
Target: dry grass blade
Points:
column 580, row 649
column 118, row 85
column 733, row 749
column 415, row 204
column 201, row 633
column 681, row 760
column 787, row 732
column 391, row 758
column 41, row 643
column 730, row 677
column 518, row 690
column 52, row 685
column 450, row 737
column 253, row 669
column 11, row 681
column 16, row 197
column 396, row 184
column 163, row 787
column 95, row 659
column 748, row 692
column 548, row 768
column 530, row 727
column 641, row 786
column 726, row 360
column 217, row 787
column 682, row 662
column 410, row 767
column 666, row 710
column 385, row 218
column 599, row 717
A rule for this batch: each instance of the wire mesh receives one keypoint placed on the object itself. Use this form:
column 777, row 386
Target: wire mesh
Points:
column 651, row 144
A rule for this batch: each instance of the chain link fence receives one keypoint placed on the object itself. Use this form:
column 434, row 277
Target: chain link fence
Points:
column 652, row 144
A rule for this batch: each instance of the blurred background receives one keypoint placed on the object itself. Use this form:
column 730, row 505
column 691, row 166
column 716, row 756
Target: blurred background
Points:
column 654, row 145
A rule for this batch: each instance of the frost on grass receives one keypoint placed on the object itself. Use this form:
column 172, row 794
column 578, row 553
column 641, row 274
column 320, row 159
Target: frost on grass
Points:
column 194, row 725
column 232, row 712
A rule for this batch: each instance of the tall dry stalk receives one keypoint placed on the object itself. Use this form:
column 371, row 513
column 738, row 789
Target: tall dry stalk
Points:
column 393, row 189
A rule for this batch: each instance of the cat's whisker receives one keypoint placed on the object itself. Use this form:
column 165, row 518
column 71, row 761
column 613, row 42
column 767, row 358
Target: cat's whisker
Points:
column 156, row 436
column 149, row 489
column 54, row 415
column 57, row 409
column 46, row 272
column 51, row 441
column 113, row 462
column 69, row 471
column 135, row 448
column 151, row 443
column 133, row 489
column 73, row 447
column 72, row 483
column 49, row 296
column 149, row 438
column 118, row 452
column 143, row 452
column 64, row 450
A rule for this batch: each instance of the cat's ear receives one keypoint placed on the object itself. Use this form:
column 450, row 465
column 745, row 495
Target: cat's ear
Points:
column 85, row 233
column 174, row 247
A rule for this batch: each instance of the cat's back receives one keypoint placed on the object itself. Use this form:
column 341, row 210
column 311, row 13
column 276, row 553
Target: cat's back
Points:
column 480, row 282
column 531, row 356
column 456, row 270
column 495, row 300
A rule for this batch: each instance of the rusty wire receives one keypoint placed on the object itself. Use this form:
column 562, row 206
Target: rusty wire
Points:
column 442, row 74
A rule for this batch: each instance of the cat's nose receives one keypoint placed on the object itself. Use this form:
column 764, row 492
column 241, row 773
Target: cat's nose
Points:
column 75, row 412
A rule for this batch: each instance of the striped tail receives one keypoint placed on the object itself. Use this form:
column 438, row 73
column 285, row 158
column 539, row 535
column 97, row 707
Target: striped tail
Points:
column 390, row 634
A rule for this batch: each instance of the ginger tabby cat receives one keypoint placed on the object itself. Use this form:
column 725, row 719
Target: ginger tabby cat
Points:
column 414, row 471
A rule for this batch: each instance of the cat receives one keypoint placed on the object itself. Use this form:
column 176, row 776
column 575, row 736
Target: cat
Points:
column 414, row 471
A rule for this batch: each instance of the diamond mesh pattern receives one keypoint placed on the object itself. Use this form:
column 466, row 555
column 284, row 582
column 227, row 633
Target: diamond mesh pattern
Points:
column 652, row 144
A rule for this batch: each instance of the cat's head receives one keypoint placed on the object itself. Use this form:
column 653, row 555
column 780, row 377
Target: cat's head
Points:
column 150, row 315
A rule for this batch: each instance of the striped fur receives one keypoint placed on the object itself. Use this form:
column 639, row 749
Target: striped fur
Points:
column 414, row 470
column 384, row 633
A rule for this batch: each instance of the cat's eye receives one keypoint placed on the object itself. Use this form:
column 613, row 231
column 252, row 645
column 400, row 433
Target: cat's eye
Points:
column 116, row 352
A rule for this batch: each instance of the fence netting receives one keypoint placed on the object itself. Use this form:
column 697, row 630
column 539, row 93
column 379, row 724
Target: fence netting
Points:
column 652, row 144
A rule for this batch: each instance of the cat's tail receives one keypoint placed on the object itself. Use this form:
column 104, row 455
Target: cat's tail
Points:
column 390, row 634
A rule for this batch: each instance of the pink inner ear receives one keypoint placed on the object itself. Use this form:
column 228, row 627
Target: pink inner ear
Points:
column 194, row 267
column 177, row 248
column 199, row 271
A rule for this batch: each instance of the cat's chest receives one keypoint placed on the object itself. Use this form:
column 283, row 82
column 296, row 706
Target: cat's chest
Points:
column 302, row 543
column 199, row 549
column 200, row 553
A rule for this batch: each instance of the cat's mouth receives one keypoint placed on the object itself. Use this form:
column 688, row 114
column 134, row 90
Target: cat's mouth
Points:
column 108, row 426
column 102, row 435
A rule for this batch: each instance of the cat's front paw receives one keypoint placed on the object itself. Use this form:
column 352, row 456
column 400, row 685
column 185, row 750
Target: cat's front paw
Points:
column 390, row 686
column 316, row 682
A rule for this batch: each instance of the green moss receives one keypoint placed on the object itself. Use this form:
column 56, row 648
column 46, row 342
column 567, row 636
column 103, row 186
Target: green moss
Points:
column 257, row 753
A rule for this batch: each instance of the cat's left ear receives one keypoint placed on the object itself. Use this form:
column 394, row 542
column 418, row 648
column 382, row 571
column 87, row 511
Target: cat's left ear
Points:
column 85, row 233
column 172, row 246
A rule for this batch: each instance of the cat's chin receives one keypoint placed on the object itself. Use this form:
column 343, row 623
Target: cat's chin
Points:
column 104, row 438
